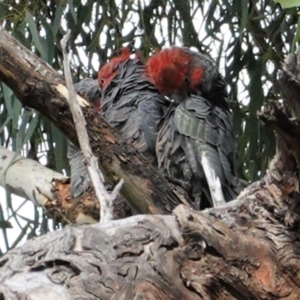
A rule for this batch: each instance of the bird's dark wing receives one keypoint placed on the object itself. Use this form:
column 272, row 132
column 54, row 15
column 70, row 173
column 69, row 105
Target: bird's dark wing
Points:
column 79, row 174
column 89, row 89
column 132, row 105
column 192, row 129
column 80, row 179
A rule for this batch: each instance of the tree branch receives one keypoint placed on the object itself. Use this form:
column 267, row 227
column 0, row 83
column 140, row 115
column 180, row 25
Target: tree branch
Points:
column 105, row 199
column 51, row 190
column 36, row 185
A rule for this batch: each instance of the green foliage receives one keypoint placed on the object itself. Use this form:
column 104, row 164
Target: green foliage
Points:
column 289, row 3
column 248, row 40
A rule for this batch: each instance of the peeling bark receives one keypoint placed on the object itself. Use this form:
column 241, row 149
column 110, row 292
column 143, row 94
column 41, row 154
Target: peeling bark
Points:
column 249, row 253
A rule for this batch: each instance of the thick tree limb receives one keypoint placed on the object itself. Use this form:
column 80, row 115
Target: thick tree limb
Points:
column 253, row 255
column 38, row 86
column 51, row 190
column 36, row 186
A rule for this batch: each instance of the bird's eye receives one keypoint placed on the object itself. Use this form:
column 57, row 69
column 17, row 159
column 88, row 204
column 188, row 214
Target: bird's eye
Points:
column 187, row 80
column 101, row 82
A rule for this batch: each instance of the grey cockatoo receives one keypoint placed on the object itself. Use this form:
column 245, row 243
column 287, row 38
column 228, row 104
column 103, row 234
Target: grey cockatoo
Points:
column 195, row 146
column 128, row 102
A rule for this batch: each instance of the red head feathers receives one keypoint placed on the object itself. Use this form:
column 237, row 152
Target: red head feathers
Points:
column 107, row 73
column 173, row 70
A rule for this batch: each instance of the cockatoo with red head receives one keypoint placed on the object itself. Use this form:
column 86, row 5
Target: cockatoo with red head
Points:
column 196, row 145
column 131, row 103
column 128, row 102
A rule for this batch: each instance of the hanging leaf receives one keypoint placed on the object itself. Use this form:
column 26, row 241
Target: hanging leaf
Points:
column 35, row 35
column 289, row 3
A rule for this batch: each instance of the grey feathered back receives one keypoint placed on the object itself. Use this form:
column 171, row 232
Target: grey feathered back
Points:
column 200, row 123
column 135, row 107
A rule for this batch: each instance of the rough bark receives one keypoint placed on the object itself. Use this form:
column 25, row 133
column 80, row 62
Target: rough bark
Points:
column 249, row 253
column 38, row 86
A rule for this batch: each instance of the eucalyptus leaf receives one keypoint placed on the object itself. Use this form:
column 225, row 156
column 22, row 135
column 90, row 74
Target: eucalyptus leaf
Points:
column 289, row 3
column 35, row 35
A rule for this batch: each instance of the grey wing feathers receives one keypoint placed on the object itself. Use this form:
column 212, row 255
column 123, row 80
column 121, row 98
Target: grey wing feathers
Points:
column 194, row 127
column 89, row 88
column 205, row 134
column 79, row 174
column 133, row 106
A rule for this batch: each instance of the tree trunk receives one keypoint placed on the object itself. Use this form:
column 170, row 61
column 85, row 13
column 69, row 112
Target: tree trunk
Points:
column 248, row 251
